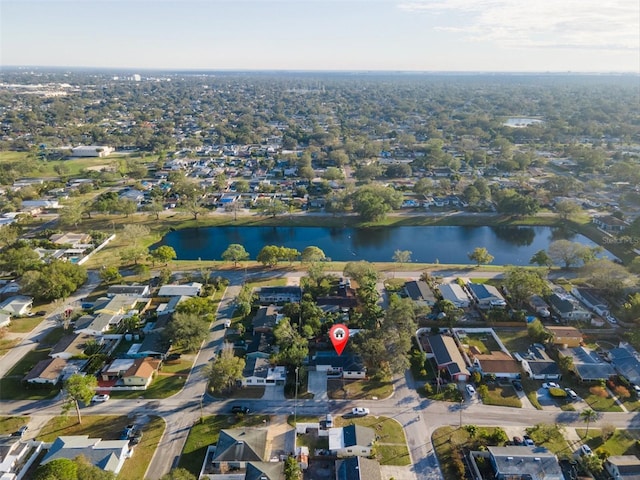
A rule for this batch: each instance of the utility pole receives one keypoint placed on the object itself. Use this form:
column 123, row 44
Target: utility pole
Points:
column 461, row 402
column 295, row 404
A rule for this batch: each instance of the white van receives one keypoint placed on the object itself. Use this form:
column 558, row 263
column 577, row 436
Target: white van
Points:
column 328, row 421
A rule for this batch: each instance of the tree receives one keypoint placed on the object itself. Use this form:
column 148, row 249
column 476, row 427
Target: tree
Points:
column 292, row 469
column 225, row 370
column 541, row 258
column 593, row 463
column 110, row 274
column 164, row 253
column 186, row 331
column 58, row 469
column 133, row 233
column 312, row 254
column 179, row 474
column 537, row 332
column 608, row 276
column 78, row 388
column 522, row 283
column 402, row 256
column 269, row 255
column 362, row 272
column 58, row 279
column 587, row 415
column 271, row 207
column 567, row 209
column 566, row 252
column 88, row 471
column 565, row 363
column 19, row 258
column 154, row 208
column 235, row 253
column 133, row 254
column 198, row 306
column 71, row 213
column 373, row 202
column 480, row 255
column 293, row 347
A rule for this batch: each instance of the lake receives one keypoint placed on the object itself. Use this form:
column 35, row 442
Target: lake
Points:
column 509, row 245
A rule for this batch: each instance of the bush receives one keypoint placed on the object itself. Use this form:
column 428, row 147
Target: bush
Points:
column 557, row 393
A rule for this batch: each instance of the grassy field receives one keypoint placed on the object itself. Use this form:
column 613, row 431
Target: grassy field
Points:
column 109, row 428
column 391, row 445
column 11, row 386
column 163, row 386
column 623, row 442
column 9, row 425
column 501, row 395
column 24, row 325
column 358, row 389
column 206, row 433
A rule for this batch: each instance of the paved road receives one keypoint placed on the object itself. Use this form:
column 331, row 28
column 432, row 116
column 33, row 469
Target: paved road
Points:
column 49, row 323
column 419, row 417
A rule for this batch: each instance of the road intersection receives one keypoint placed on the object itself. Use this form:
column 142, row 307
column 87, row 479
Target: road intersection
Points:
column 418, row 416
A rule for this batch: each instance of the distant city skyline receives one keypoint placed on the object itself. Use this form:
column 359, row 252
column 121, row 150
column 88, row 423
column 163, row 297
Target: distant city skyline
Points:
column 372, row 35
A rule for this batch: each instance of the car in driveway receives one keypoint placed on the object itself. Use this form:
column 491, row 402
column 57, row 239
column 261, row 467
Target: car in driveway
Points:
column 239, row 409
column 21, row 431
column 100, row 397
column 572, row 394
column 517, row 385
column 550, row 385
column 528, row 441
column 359, row 412
column 470, row 389
column 586, row 450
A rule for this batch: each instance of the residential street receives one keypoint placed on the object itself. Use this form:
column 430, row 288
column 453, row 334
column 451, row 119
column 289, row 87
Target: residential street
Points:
column 419, row 417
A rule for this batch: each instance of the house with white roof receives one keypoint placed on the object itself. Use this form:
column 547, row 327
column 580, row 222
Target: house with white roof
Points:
column 17, row 306
column 109, row 455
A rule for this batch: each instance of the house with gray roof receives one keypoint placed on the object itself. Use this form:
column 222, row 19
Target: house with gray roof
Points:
column 591, row 301
column 568, row 308
column 108, row 455
column 351, row 441
column 524, row 462
column 626, row 361
column 486, row 296
column 587, row 365
column 420, row 293
column 455, row 294
column 265, row 319
column 538, row 365
column 358, row 468
column 623, row 467
column 17, row 306
column 236, row 448
column 131, row 290
column 192, row 289
column 289, row 294
column 444, row 350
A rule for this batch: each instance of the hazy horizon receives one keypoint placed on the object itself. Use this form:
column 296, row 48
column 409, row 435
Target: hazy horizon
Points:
column 495, row 36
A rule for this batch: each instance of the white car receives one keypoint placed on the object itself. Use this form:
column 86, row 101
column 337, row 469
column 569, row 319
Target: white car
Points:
column 100, row 397
column 470, row 389
column 550, row 385
column 359, row 411
column 573, row 395
column 586, row 450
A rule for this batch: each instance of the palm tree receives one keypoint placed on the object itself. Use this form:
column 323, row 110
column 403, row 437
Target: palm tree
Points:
column 588, row 415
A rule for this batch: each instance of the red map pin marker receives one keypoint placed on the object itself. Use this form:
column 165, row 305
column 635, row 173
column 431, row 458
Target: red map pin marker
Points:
column 339, row 335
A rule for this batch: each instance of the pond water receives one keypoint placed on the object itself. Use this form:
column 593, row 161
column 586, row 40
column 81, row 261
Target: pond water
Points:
column 509, row 245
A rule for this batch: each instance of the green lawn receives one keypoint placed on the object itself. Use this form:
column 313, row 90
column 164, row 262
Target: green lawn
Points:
column 6, row 345
column 206, row 433
column 515, row 340
column 182, row 366
column 24, row 325
column 109, row 428
column 623, row 442
column 9, row 425
column 550, row 437
column 504, row 396
column 163, row 386
column 391, row 445
column 358, row 389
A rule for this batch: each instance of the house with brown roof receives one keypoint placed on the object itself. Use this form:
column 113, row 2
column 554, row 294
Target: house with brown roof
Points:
column 141, row 372
column 500, row 364
column 46, row 371
column 566, row 337
column 71, row 346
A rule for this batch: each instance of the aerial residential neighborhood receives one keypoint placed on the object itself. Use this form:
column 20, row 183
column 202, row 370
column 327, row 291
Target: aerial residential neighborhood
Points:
column 175, row 250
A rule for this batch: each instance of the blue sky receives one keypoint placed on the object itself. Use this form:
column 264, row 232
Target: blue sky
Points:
column 418, row 35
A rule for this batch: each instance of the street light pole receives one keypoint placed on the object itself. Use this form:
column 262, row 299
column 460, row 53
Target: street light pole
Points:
column 461, row 402
column 295, row 404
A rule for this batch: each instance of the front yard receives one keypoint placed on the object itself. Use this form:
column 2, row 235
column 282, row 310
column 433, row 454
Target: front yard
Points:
column 358, row 389
column 110, row 428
